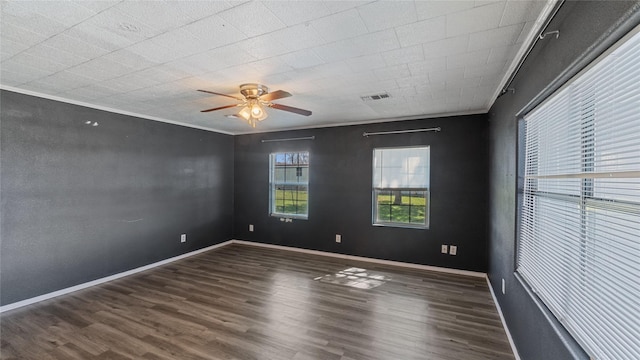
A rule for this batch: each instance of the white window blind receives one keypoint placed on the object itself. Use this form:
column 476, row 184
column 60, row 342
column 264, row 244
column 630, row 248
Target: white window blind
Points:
column 397, row 168
column 579, row 241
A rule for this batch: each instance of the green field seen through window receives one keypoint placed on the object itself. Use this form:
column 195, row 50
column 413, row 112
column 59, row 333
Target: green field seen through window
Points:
column 291, row 201
column 408, row 209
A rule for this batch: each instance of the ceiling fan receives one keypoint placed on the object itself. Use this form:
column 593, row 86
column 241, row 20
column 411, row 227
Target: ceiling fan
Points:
column 255, row 98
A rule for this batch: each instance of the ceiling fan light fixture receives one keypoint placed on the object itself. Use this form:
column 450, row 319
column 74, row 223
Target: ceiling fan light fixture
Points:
column 252, row 114
column 256, row 111
column 245, row 113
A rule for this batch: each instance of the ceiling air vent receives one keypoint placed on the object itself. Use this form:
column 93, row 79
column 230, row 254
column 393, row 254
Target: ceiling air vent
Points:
column 375, row 97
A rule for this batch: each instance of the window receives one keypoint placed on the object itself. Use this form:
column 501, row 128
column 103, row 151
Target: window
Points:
column 289, row 183
column 401, row 187
column 579, row 237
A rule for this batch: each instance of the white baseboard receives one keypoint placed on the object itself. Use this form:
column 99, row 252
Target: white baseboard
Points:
column 271, row 246
column 71, row 289
column 365, row 259
column 504, row 323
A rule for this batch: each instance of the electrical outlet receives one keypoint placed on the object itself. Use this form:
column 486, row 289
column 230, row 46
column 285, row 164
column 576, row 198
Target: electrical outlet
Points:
column 504, row 287
column 444, row 249
column 251, row 227
column 183, row 238
column 338, row 238
column 453, row 250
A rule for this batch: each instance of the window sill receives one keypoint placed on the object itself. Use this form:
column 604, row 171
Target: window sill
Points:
column 288, row 217
column 401, row 225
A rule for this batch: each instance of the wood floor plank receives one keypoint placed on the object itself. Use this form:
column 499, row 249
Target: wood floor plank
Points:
column 244, row 302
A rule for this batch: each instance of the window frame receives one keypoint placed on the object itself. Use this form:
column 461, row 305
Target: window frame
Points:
column 272, row 183
column 426, row 190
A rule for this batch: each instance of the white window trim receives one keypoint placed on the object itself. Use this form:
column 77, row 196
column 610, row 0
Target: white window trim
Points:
column 272, row 212
column 374, row 214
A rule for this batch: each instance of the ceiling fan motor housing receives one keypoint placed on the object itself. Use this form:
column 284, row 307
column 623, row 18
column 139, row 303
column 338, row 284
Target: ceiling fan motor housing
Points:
column 253, row 91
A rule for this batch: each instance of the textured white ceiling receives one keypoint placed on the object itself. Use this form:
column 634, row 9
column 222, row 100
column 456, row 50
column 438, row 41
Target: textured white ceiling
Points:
column 150, row 57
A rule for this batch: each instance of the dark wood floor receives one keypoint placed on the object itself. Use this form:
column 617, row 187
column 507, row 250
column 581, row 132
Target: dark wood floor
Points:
column 244, row 302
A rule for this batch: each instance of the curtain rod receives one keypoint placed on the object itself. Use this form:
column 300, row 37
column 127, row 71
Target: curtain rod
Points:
column 365, row 134
column 541, row 35
column 289, row 139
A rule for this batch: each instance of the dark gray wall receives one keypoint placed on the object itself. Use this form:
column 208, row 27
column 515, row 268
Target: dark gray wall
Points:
column 82, row 202
column 536, row 333
column 340, row 192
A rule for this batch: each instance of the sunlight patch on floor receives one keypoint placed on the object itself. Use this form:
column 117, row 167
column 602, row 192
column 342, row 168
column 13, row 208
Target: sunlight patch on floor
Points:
column 354, row 277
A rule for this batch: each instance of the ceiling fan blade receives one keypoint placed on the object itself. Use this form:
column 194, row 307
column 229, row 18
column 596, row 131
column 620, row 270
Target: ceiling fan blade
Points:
column 278, row 94
column 291, row 109
column 221, row 107
column 215, row 93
